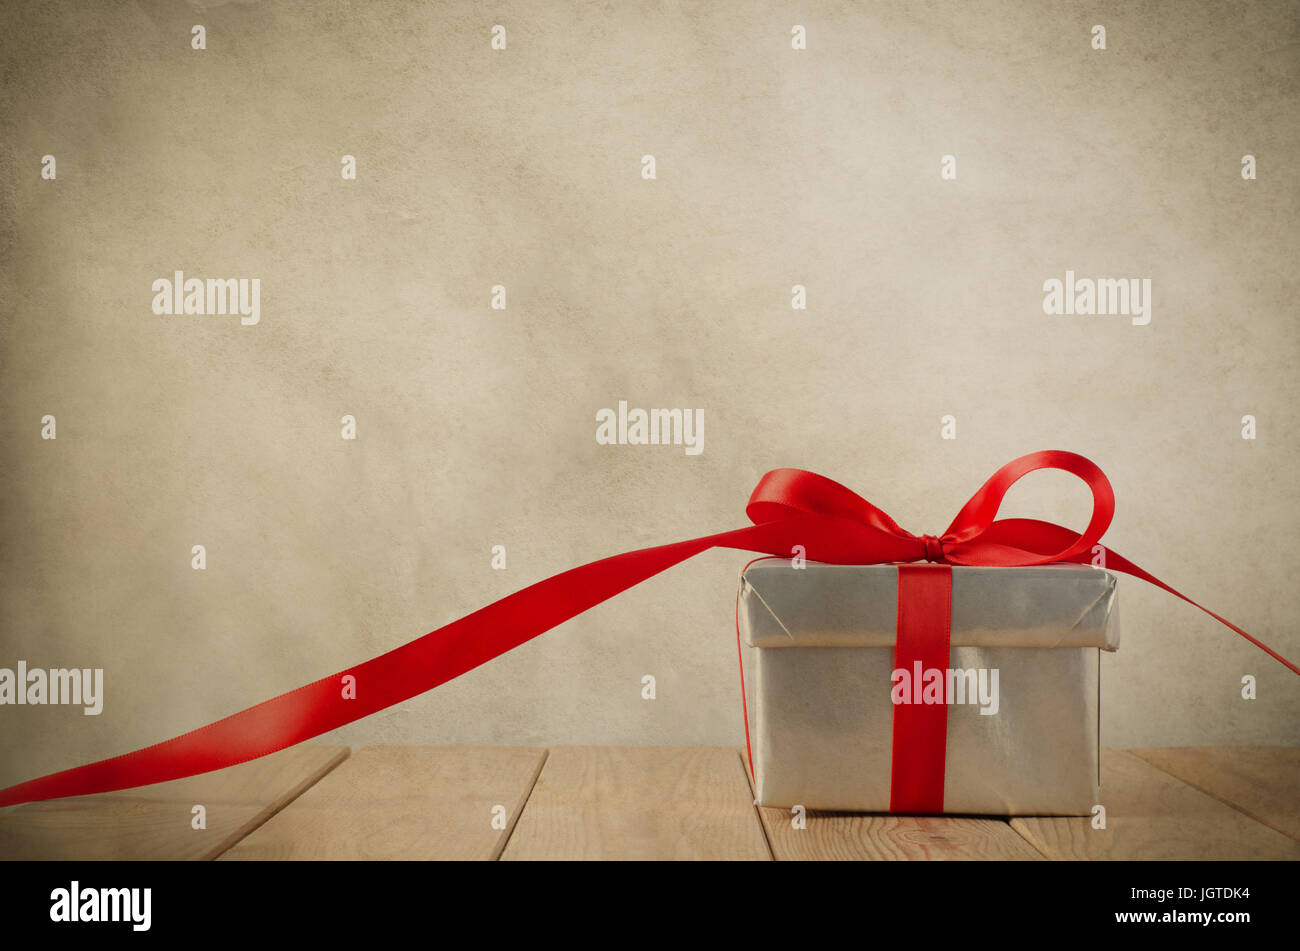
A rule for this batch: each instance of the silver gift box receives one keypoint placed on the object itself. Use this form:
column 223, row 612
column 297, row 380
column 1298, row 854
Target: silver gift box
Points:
column 818, row 678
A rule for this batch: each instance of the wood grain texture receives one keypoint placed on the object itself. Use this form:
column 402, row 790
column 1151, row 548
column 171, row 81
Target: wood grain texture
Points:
column 404, row 802
column 1261, row 781
column 1152, row 815
column 837, row 836
column 640, row 803
column 154, row 822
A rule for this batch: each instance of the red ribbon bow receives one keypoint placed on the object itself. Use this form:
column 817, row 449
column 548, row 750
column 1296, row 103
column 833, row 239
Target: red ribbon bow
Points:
column 862, row 533
column 789, row 507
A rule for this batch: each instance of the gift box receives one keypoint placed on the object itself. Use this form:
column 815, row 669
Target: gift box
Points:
column 997, row 715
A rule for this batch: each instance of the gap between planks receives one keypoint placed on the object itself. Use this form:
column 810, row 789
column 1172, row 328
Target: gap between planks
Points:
column 639, row 803
column 1153, row 815
column 514, row 820
column 1261, row 781
column 154, row 822
column 404, row 803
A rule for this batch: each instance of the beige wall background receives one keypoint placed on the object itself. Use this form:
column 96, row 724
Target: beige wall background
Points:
column 476, row 427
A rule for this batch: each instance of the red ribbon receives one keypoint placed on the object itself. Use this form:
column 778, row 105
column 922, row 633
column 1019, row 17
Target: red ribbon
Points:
column 920, row 741
column 789, row 507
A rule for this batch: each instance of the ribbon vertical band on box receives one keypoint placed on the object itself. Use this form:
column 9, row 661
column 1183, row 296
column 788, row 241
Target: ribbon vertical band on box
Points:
column 920, row 740
column 789, row 507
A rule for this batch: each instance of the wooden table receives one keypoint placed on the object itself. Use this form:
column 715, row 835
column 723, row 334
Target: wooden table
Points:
column 411, row 802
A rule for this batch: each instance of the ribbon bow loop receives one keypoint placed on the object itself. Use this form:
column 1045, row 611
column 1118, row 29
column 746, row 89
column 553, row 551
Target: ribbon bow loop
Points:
column 787, row 493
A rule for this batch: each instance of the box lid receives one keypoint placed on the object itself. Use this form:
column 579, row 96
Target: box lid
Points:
column 824, row 605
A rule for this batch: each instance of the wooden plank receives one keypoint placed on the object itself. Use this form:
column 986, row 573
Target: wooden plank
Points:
column 154, row 822
column 1152, row 815
column 1261, row 781
column 404, row 802
column 838, row 836
column 640, row 803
